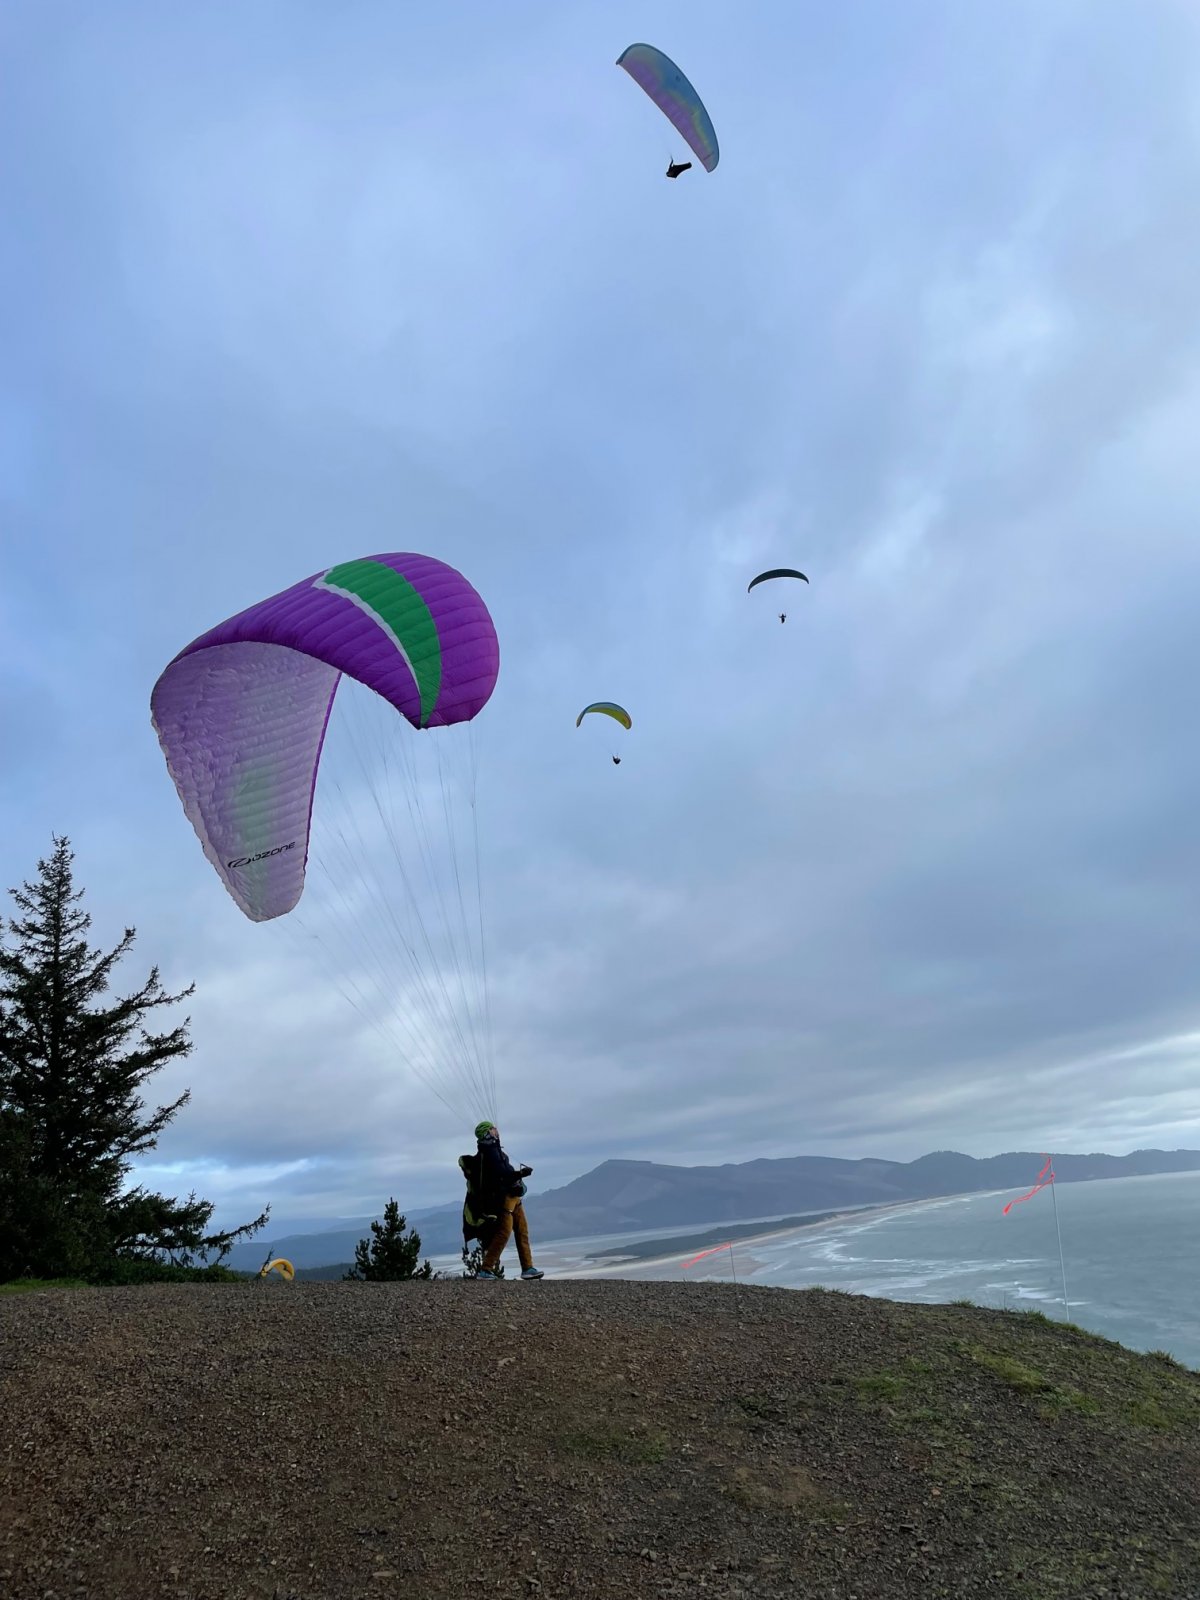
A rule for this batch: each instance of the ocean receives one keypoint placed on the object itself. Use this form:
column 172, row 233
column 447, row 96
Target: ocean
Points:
column 1130, row 1246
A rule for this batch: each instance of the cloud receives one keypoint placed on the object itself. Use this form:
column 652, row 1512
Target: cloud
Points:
column 913, row 870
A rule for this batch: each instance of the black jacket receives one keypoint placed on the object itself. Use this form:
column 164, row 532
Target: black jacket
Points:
column 495, row 1176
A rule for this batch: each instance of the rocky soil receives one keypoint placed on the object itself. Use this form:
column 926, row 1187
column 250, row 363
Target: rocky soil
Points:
column 616, row 1439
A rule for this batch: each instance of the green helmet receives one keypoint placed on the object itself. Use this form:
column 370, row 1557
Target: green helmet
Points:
column 483, row 1127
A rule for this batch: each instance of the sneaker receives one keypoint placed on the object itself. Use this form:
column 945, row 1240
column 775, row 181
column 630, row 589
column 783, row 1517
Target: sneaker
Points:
column 533, row 1272
column 483, row 1274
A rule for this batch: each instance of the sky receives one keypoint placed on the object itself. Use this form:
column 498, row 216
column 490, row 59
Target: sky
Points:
column 918, row 869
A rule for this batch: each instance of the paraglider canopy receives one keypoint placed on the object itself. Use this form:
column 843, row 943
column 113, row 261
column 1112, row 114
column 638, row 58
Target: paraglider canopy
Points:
column 607, row 707
column 674, row 96
column 280, row 1265
column 381, row 789
column 241, row 713
column 775, row 572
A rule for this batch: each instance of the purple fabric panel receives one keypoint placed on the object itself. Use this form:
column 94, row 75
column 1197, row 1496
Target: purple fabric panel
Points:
column 241, row 725
column 328, row 626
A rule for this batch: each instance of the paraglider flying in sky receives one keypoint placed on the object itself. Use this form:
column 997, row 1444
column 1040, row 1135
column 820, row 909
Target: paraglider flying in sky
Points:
column 609, row 709
column 776, row 572
column 674, row 96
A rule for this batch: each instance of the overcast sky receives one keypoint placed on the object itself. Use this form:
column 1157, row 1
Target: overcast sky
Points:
column 285, row 284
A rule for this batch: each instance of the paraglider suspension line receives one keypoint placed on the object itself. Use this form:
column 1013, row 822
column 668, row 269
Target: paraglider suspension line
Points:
column 1061, row 1260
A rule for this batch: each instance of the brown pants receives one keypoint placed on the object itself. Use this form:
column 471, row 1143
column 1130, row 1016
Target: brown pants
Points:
column 511, row 1220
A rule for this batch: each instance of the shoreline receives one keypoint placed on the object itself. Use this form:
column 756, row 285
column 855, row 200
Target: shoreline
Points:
column 582, row 1261
column 600, row 1266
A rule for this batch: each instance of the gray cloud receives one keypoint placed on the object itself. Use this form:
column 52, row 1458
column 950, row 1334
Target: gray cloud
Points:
column 917, row 869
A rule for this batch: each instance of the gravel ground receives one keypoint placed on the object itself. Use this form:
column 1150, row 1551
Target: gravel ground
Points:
column 665, row 1440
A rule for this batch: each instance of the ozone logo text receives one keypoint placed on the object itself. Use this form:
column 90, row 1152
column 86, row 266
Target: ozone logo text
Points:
column 263, row 855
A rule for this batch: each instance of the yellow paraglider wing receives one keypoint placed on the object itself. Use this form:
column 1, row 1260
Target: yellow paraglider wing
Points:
column 618, row 713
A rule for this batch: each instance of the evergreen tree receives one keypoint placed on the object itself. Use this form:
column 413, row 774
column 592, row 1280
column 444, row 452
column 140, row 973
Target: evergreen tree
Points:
column 473, row 1261
column 72, row 1065
column 392, row 1253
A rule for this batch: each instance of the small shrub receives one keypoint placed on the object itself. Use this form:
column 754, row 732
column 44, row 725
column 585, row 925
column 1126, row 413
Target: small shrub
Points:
column 391, row 1254
column 1166, row 1358
column 33, row 1285
column 1014, row 1373
column 123, row 1273
column 473, row 1261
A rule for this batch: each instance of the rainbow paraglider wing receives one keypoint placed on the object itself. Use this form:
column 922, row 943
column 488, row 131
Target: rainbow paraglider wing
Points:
column 241, row 713
column 674, row 96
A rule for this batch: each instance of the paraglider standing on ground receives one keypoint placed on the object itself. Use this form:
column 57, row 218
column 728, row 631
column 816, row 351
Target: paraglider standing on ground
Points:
column 492, row 1212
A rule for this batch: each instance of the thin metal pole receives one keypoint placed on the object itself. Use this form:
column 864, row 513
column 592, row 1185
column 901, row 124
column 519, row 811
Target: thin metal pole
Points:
column 1061, row 1262
column 736, row 1290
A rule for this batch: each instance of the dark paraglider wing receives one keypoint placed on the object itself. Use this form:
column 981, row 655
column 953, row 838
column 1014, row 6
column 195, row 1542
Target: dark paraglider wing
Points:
column 775, row 572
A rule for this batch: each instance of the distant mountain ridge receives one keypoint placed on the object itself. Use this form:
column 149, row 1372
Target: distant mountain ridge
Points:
column 622, row 1196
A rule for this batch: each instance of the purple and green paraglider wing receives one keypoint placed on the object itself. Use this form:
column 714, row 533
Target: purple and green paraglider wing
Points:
column 241, row 713
column 675, row 98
